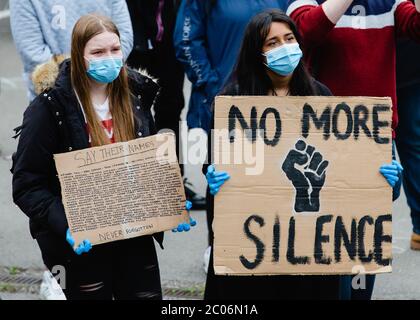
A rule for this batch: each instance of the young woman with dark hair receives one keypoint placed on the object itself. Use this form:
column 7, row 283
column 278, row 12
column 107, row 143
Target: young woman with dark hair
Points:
column 207, row 39
column 270, row 64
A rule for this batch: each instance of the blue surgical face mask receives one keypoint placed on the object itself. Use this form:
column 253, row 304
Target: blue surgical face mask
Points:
column 283, row 60
column 104, row 70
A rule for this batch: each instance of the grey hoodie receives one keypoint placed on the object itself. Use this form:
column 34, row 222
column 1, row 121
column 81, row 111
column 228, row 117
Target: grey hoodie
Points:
column 42, row 28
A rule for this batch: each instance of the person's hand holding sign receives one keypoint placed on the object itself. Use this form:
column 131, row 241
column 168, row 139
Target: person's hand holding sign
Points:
column 83, row 247
column 186, row 226
column 391, row 172
column 215, row 179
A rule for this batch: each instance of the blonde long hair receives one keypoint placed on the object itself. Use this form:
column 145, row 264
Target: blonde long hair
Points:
column 119, row 94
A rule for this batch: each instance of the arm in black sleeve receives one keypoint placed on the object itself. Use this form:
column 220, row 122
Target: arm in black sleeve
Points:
column 34, row 169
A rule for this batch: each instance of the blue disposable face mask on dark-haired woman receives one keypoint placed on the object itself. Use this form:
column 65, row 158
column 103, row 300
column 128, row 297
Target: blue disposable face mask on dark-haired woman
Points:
column 283, row 60
column 104, row 70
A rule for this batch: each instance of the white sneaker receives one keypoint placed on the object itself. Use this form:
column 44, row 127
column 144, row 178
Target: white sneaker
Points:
column 206, row 259
column 50, row 289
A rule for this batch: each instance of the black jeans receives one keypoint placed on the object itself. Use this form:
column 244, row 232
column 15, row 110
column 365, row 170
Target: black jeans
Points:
column 123, row 270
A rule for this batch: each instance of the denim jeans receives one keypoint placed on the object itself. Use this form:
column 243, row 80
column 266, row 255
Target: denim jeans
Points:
column 408, row 145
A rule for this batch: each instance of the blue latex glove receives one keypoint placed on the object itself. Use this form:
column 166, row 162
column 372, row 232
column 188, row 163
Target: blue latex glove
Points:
column 185, row 226
column 83, row 247
column 216, row 179
column 391, row 172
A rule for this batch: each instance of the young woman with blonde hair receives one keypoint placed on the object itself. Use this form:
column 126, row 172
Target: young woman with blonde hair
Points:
column 95, row 100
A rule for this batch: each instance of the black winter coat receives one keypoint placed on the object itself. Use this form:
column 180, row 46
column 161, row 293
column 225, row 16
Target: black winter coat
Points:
column 54, row 123
column 143, row 18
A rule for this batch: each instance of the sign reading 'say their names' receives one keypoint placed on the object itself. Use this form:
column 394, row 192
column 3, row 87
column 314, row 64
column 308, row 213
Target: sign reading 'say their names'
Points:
column 122, row 190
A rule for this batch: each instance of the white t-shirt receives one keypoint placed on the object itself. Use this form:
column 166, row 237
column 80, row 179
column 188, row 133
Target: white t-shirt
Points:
column 102, row 110
column 104, row 114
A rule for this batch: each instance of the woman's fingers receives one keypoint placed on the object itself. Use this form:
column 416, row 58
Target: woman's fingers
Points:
column 210, row 170
column 391, row 177
column 185, row 226
column 216, row 185
column 80, row 249
column 88, row 245
column 215, row 189
column 84, row 247
column 188, row 205
column 391, row 183
column 394, row 166
column 222, row 177
column 69, row 238
column 213, row 174
column 389, row 171
column 389, row 166
column 218, row 179
column 193, row 223
column 399, row 166
column 217, row 182
column 391, row 180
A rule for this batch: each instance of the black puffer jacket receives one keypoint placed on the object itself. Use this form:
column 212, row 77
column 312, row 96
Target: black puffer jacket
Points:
column 54, row 123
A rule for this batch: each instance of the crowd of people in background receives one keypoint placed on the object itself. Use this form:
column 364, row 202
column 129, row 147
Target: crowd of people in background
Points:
column 339, row 47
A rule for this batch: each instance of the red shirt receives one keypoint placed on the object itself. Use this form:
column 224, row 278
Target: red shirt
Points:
column 357, row 59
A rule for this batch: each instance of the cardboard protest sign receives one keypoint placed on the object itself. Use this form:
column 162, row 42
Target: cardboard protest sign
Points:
column 122, row 190
column 305, row 194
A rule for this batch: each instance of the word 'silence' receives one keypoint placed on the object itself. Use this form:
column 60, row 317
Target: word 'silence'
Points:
column 353, row 240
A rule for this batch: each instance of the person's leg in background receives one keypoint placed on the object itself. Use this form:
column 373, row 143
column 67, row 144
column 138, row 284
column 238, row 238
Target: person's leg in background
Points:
column 345, row 287
column 348, row 292
column 209, row 215
column 154, row 52
column 408, row 145
column 366, row 293
column 161, row 63
column 170, row 75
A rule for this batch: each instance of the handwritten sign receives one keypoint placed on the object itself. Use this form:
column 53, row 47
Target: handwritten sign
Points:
column 122, row 190
column 312, row 200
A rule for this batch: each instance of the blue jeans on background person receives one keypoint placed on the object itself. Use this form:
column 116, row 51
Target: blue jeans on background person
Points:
column 408, row 145
column 347, row 292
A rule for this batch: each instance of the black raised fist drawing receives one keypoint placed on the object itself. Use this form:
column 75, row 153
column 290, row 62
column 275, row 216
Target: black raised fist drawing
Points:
column 306, row 169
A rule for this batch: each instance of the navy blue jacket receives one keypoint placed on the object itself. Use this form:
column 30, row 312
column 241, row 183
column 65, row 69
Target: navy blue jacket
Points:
column 207, row 38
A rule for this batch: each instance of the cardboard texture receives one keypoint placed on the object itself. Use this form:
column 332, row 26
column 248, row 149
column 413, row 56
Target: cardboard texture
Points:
column 122, row 190
column 320, row 205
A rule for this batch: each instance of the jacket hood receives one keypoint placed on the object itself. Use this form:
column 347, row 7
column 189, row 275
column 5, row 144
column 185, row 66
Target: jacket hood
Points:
column 45, row 75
